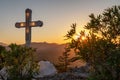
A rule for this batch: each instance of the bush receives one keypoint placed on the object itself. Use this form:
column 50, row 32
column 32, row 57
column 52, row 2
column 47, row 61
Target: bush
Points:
column 19, row 62
column 101, row 48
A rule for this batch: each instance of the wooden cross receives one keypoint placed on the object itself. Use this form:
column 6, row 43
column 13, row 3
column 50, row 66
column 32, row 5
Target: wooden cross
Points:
column 28, row 25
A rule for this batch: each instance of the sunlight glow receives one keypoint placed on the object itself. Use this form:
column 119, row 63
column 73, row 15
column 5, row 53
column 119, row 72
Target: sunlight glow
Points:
column 76, row 37
column 83, row 38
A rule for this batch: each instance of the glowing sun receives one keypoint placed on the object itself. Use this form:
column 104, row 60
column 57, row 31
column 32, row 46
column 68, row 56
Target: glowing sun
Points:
column 83, row 38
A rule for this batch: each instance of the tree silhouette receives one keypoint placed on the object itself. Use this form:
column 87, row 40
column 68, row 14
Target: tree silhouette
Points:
column 107, row 24
column 64, row 60
column 101, row 48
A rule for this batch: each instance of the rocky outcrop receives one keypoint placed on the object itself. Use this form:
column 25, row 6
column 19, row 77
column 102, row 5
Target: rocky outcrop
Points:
column 46, row 68
column 80, row 73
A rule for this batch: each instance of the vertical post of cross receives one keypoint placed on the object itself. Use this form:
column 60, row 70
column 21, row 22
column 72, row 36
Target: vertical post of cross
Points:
column 28, row 14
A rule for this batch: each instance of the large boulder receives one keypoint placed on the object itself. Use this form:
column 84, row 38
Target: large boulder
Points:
column 46, row 69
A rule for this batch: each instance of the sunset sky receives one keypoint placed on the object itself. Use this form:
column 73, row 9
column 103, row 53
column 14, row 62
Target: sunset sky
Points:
column 57, row 16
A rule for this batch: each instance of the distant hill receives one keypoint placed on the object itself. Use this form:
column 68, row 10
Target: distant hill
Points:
column 48, row 51
column 51, row 52
column 3, row 44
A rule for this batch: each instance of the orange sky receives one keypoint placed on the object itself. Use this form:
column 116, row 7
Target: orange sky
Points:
column 57, row 16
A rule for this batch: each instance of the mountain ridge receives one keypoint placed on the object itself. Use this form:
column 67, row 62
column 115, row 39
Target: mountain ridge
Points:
column 3, row 44
column 49, row 51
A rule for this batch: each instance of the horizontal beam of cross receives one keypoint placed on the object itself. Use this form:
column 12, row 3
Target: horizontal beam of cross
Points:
column 31, row 24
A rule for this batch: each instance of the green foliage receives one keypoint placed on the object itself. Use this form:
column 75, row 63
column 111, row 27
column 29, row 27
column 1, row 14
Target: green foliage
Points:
column 2, row 50
column 19, row 62
column 101, row 48
column 107, row 24
column 71, row 33
column 64, row 60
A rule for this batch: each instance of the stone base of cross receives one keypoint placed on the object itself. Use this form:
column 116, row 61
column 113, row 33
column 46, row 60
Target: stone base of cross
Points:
column 28, row 25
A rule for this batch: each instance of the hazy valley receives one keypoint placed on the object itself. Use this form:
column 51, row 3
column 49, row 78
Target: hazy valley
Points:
column 49, row 51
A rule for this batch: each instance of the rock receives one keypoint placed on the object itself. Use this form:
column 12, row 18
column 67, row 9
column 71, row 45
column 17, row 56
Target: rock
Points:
column 78, row 73
column 46, row 69
column 3, row 74
column 82, row 69
column 64, row 76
